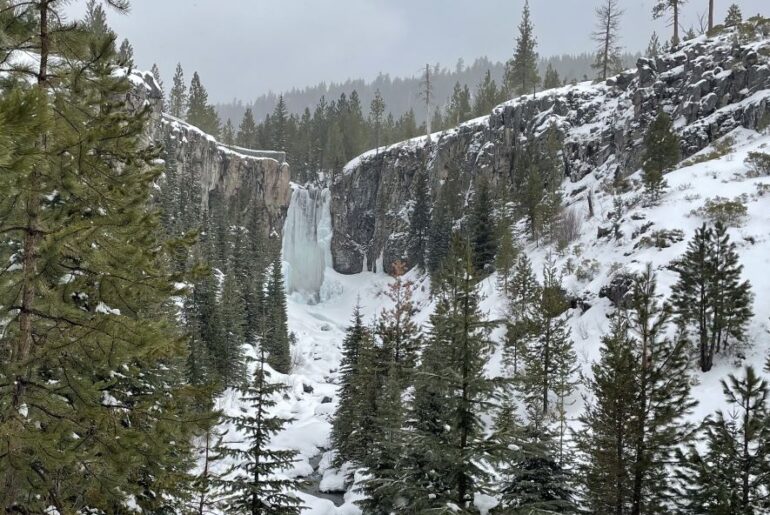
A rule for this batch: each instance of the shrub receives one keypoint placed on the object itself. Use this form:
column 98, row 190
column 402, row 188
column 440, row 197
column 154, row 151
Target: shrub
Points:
column 722, row 147
column 661, row 239
column 719, row 209
column 758, row 164
column 587, row 270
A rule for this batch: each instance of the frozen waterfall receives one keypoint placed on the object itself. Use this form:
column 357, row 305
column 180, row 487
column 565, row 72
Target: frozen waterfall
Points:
column 307, row 237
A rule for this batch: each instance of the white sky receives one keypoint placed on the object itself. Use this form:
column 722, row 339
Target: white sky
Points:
column 243, row 48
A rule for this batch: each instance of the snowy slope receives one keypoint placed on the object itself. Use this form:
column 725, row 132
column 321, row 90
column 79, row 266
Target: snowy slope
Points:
column 320, row 327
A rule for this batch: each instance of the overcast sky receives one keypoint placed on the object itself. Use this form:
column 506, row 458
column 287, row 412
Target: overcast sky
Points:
column 243, row 48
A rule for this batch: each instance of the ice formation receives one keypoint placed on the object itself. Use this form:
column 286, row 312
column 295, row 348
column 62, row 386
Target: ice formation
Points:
column 307, row 238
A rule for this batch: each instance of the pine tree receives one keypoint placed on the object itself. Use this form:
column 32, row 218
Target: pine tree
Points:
column 521, row 76
column 346, row 417
column 156, row 75
column 252, row 487
column 552, row 79
column 732, row 474
column 550, row 346
column 661, row 153
column 663, row 397
column 419, row 222
column 440, row 235
column 177, row 100
column 227, row 343
column 487, row 96
column 280, row 129
column 92, row 402
column 734, row 16
column 96, row 20
column 426, row 95
column 483, row 232
column 210, row 444
column 661, row 7
column 446, row 446
column 396, row 329
column 376, row 112
column 709, row 295
column 199, row 112
column 523, row 297
column 606, row 438
column 507, row 252
column 459, row 109
column 126, row 54
column 276, row 339
column 228, row 133
column 606, row 35
column 653, row 48
column 538, row 483
column 247, row 131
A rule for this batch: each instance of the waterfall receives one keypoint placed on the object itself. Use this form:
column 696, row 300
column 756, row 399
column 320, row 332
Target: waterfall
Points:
column 307, row 236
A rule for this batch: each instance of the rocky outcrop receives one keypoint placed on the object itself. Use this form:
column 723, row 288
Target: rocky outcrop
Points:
column 246, row 179
column 709, row 87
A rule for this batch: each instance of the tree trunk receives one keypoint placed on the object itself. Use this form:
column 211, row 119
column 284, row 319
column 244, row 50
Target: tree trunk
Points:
column 676, row 23
column 20, row 350
column 711, row 16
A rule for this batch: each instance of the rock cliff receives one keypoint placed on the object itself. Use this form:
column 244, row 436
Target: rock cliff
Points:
column 709, row 86
column 245, row 178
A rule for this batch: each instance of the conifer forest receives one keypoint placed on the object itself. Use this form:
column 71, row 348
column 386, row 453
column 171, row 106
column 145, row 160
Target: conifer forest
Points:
column 533, row 284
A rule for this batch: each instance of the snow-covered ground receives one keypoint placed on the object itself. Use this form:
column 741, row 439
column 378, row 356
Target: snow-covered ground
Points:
column 319, row 321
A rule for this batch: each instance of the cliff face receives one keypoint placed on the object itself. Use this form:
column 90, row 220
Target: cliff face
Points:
column 245, row 178
column 709, row 87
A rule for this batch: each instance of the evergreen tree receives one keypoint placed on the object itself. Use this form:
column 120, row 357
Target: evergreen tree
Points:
column 507, row 252
column 661, row 153
column 482, row 230
column 661, row 7
column 204, row 487
column 487, row 96
column 734, row 16
column 276, row 339
column 199, row 112
column 95, row 20
column 280, row 129
column 538, row 482
column 126, row 54
column 396, row 329
column 440, row 235
column 446, row 445
column 376, row 112
column 177, row 100
column 710, row 296
column 459, row 109
column 419, row 222
column 552, row 79
column 732, row 473
column 606, row 36
column 521, row 76
column 346, row 417
column 523, row 296
column 653, row 48
column 156, row 75
column 663, row 398
column 247, row 131
column 252, row 487
column 550, row 346
column 92, row 404
column 228, row 133
column 605, row 442
column 426, row 95
column 228, row 338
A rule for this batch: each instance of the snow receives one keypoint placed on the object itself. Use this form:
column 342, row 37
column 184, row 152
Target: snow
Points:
column 320, row 326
